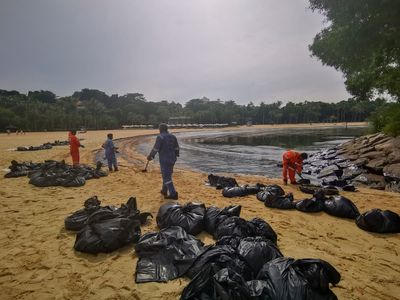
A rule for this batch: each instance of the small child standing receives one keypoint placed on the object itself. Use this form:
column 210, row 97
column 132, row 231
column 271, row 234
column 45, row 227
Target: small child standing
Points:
column 110, row 150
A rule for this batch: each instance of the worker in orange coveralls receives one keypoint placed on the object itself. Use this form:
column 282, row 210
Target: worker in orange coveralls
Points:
column 292, row 163
column 74, row 145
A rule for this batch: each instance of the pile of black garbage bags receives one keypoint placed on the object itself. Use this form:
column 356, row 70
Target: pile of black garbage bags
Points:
column 324, row 198
column 105, row 228
column 44, row 146
column 244, row 263
column 55, row 173
column 60, row 143
column 21, row 169
column 374, row 220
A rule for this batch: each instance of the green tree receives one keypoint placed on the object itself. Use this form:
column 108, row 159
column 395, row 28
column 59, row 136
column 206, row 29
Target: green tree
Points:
column 42, row 96
column 362, row 39
column 387, row 119
column 7, row 117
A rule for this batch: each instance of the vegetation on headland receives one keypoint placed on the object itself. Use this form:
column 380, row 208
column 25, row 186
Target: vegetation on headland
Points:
column 362, row 41
column 94, row 109
column 387, row 119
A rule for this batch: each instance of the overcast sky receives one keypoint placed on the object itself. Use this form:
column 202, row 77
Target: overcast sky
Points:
column 176, row 50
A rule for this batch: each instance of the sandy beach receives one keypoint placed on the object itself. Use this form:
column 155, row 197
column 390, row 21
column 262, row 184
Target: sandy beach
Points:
column 38, row 260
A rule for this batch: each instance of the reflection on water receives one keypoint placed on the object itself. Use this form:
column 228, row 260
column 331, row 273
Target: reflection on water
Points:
column 288, row 140
column 253, row 151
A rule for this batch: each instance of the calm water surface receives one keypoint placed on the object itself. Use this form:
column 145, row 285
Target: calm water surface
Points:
column 252, row 151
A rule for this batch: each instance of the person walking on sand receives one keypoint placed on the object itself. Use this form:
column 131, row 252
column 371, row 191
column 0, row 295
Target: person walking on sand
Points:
column 292, row 162
column 74, row 145
column 110, row 149
column 168, row 150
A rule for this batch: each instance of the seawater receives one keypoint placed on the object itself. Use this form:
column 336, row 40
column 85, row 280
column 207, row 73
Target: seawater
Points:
column 252, row 151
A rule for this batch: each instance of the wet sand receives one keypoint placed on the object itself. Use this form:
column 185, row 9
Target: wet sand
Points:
column 37, row 259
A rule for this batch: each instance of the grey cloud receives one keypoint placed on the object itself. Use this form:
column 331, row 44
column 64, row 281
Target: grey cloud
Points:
column 167, row 49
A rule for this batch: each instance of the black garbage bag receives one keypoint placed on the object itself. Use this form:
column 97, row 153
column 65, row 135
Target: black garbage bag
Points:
column 71, row 181
column 380, row 221
column 342, row 207
column 190, row 216
column 240, row 191
column 89, row 172
column 16, row 166
column 254, row 189
column 214, row 283
column 60, row 143
column 22, row 148
column 166, row 255
column 77, row 220
column 221, row 182
column 281, row 202
column 237, row 191
column 37, row 178
column 287, row 278
column 236, row 226
column 273, row 190
column 257, row 251
column 109, row 228
column 21, row 169
column 258, row 289
column 310, row 205
column 233, row 226
column 229, row 240
column 220, row 256
column 130, row 209
column 16, row 174
column 314, row 204
column 98, row 172
column 35, row 148
column 107, row 231
column 252, row 249
column 263, row 229
column 213, row 213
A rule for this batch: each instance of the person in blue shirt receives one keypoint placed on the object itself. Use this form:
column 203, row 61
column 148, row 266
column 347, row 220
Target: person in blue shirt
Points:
column 167, row 147
column 110, row 149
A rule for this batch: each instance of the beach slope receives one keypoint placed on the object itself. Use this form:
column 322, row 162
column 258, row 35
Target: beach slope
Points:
column 37, row 259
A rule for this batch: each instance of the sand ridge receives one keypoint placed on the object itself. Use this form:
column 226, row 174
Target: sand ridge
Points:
column 37, row 259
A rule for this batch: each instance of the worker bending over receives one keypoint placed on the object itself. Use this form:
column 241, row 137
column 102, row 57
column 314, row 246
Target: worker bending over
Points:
column 292, row 163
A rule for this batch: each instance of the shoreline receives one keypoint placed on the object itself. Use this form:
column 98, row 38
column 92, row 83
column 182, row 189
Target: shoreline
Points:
column 133, row 141
column 38, row 260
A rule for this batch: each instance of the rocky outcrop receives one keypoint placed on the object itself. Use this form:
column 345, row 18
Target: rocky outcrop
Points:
column 371, row 160
column 392, row 171
column 372, row 180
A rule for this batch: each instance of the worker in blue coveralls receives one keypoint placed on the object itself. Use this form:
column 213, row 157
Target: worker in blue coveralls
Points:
column 168, row 150
column 110, row 149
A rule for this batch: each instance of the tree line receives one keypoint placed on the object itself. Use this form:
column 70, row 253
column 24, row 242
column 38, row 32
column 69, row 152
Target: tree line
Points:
column 94, row 109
